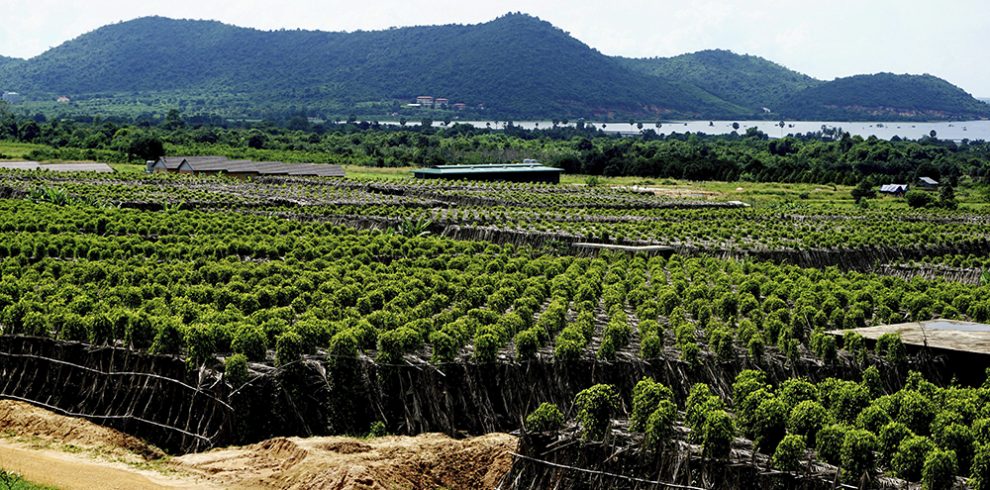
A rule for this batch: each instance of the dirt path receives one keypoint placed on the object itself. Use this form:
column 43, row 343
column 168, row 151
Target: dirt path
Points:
column 68, row 453
column 73, row 472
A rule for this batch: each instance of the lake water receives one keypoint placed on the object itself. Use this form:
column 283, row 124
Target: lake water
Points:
column 957, row 131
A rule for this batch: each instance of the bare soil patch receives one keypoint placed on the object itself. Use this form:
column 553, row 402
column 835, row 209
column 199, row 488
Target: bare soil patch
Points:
column 65, row 452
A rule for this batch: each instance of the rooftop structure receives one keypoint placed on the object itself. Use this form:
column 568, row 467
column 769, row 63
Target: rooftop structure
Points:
column 511, row 172
column 950, row 335
column 927, row 183
column 893, row 188
column 242, row 168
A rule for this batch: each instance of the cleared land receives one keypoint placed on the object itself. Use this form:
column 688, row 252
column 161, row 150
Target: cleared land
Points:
column 70, row 453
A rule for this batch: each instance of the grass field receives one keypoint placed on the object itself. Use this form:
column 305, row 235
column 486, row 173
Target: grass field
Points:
column 16, row 151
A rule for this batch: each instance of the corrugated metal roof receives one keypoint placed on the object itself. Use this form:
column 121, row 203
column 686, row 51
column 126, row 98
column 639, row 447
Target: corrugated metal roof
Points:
column 495, row 168
column 893, row 188
column 928, row 180
column 266, row 168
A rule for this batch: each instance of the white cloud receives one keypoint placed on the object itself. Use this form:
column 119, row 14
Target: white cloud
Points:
column 823, row 39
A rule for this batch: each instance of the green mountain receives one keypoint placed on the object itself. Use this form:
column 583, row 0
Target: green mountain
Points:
column 515, row 66
column 748, row 81
column 884, row 96
column 4, row 61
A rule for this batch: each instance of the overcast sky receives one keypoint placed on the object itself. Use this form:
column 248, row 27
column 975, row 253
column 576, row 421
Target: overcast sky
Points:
column 825, row 39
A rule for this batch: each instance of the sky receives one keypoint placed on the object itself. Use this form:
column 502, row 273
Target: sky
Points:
column 824, row 39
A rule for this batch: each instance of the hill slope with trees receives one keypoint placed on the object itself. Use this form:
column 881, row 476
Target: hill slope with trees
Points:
column 514, row 67
column 885, row 96
column 749, row 81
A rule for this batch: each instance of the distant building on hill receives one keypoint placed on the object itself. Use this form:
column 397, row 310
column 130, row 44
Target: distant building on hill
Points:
column 927, row 183
column 460, row 106
column 11, row 97
column 63, row 99
column 441, row 102
column 424, row 100
column 511, row 172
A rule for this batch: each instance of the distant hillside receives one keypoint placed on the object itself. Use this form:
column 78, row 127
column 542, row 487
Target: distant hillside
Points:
column 4, row 60
column 884, row 96
column 749, row 81
column 516, row 66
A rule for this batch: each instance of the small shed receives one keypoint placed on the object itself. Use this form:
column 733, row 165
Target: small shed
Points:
column 927, row 183
column 894, row 189
column 510, row 172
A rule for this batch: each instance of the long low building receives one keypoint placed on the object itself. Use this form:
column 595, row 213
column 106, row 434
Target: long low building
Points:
column 509, row 172
column 211, row 165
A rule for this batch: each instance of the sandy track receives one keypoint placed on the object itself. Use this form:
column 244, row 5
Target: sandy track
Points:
column 69, row 453
column 74, row 472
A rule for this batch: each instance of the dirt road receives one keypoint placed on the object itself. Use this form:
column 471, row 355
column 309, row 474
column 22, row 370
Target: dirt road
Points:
column 69, row 453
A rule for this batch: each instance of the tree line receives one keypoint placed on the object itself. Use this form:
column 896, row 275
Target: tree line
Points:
column 827, row 156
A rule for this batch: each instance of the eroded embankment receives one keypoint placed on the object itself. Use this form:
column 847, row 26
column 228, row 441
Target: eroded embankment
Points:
column 160, row 400
column 72, row 453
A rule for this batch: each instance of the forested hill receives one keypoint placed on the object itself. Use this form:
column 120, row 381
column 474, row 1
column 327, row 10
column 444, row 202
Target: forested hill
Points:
column 749, row 81
column 886, row 96
column 516, row 66
column 4, row 60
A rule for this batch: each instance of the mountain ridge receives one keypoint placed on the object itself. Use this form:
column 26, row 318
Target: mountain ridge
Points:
column 515, row 66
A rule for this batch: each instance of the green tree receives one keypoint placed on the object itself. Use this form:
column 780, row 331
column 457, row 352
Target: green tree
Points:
column 595, row 406
column 863, row 190
column 547, row 417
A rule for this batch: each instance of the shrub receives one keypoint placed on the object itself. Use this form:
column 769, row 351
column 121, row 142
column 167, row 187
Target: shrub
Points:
column 919, row 199
column 235, row 370
column 377, row 429
column 646, row 396
column 848, row 400
column 343, row 344
column 958, row 438
column 250, row 341
column 445, row 346
column 699, row 402
column 393, row 344
column 747, row 382
column 910, row 457
column 288, row 348
column 806, row 419
column 168, row 339
column 547, row 417
column 873, row 418
column 594, row 410
column 939, row 471
column 770, row 422
column 889, row 345
column 872, row 381
column 651, row 347
column 828, row 443
column 857, row 454
column 569, row 345
column 718, row 432
column 660, row 424
column 916, row 411
column 979, row 473
column 200, row 343
column 789, row 453
column 890, row 438
column 527, row 344
column 486, row 347
column 796, row 390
